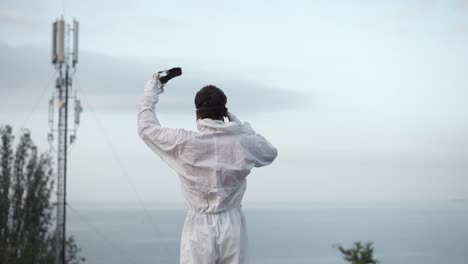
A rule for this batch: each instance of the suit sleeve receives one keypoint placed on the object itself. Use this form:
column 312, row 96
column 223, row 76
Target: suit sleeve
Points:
column 261, row 151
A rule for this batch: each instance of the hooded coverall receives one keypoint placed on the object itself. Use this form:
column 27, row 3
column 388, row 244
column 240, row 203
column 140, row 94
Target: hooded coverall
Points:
column 212, row 165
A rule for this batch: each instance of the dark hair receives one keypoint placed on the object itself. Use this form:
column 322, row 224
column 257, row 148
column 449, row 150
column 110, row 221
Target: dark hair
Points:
column 210, row 102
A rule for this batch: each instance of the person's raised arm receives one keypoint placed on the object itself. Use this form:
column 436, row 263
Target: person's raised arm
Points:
column 165, row 142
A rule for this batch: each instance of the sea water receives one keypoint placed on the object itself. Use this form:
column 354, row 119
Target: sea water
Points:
column 402, row 232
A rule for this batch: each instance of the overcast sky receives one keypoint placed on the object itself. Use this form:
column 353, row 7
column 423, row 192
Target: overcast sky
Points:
column 365, row 100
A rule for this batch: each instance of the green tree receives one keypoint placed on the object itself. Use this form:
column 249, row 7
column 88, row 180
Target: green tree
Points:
column 359, row 254
column 26, row 186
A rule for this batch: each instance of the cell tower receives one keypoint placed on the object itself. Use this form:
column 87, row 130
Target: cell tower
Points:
column 64, row 58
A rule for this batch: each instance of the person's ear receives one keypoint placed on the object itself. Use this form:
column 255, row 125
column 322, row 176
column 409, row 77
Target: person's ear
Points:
column 197, row 115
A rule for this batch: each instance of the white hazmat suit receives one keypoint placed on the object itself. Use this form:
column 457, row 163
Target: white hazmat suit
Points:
column 212, row 165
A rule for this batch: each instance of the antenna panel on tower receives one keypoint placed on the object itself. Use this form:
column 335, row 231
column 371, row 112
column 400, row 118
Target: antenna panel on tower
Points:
column 76, row 26
column 54, row 42
column 60, row 41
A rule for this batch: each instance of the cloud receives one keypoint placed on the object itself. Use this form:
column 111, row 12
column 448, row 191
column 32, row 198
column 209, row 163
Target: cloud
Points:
column 461, row 29
column 116, row 84
column 461, row 4
column 9, row 19
column 23, row 17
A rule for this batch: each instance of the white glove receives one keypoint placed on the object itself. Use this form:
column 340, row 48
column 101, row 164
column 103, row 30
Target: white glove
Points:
column 154, row 85
column 246, row 128
column 233, row 118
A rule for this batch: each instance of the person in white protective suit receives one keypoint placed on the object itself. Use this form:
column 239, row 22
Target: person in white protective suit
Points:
column 212, row 165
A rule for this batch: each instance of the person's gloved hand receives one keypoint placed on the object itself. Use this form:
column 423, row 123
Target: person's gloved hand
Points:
column 154, row 85
column 246, row 128
column 233, row 118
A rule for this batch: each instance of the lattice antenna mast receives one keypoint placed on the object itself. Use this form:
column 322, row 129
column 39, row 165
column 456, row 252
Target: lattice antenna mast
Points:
column 64, row 58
